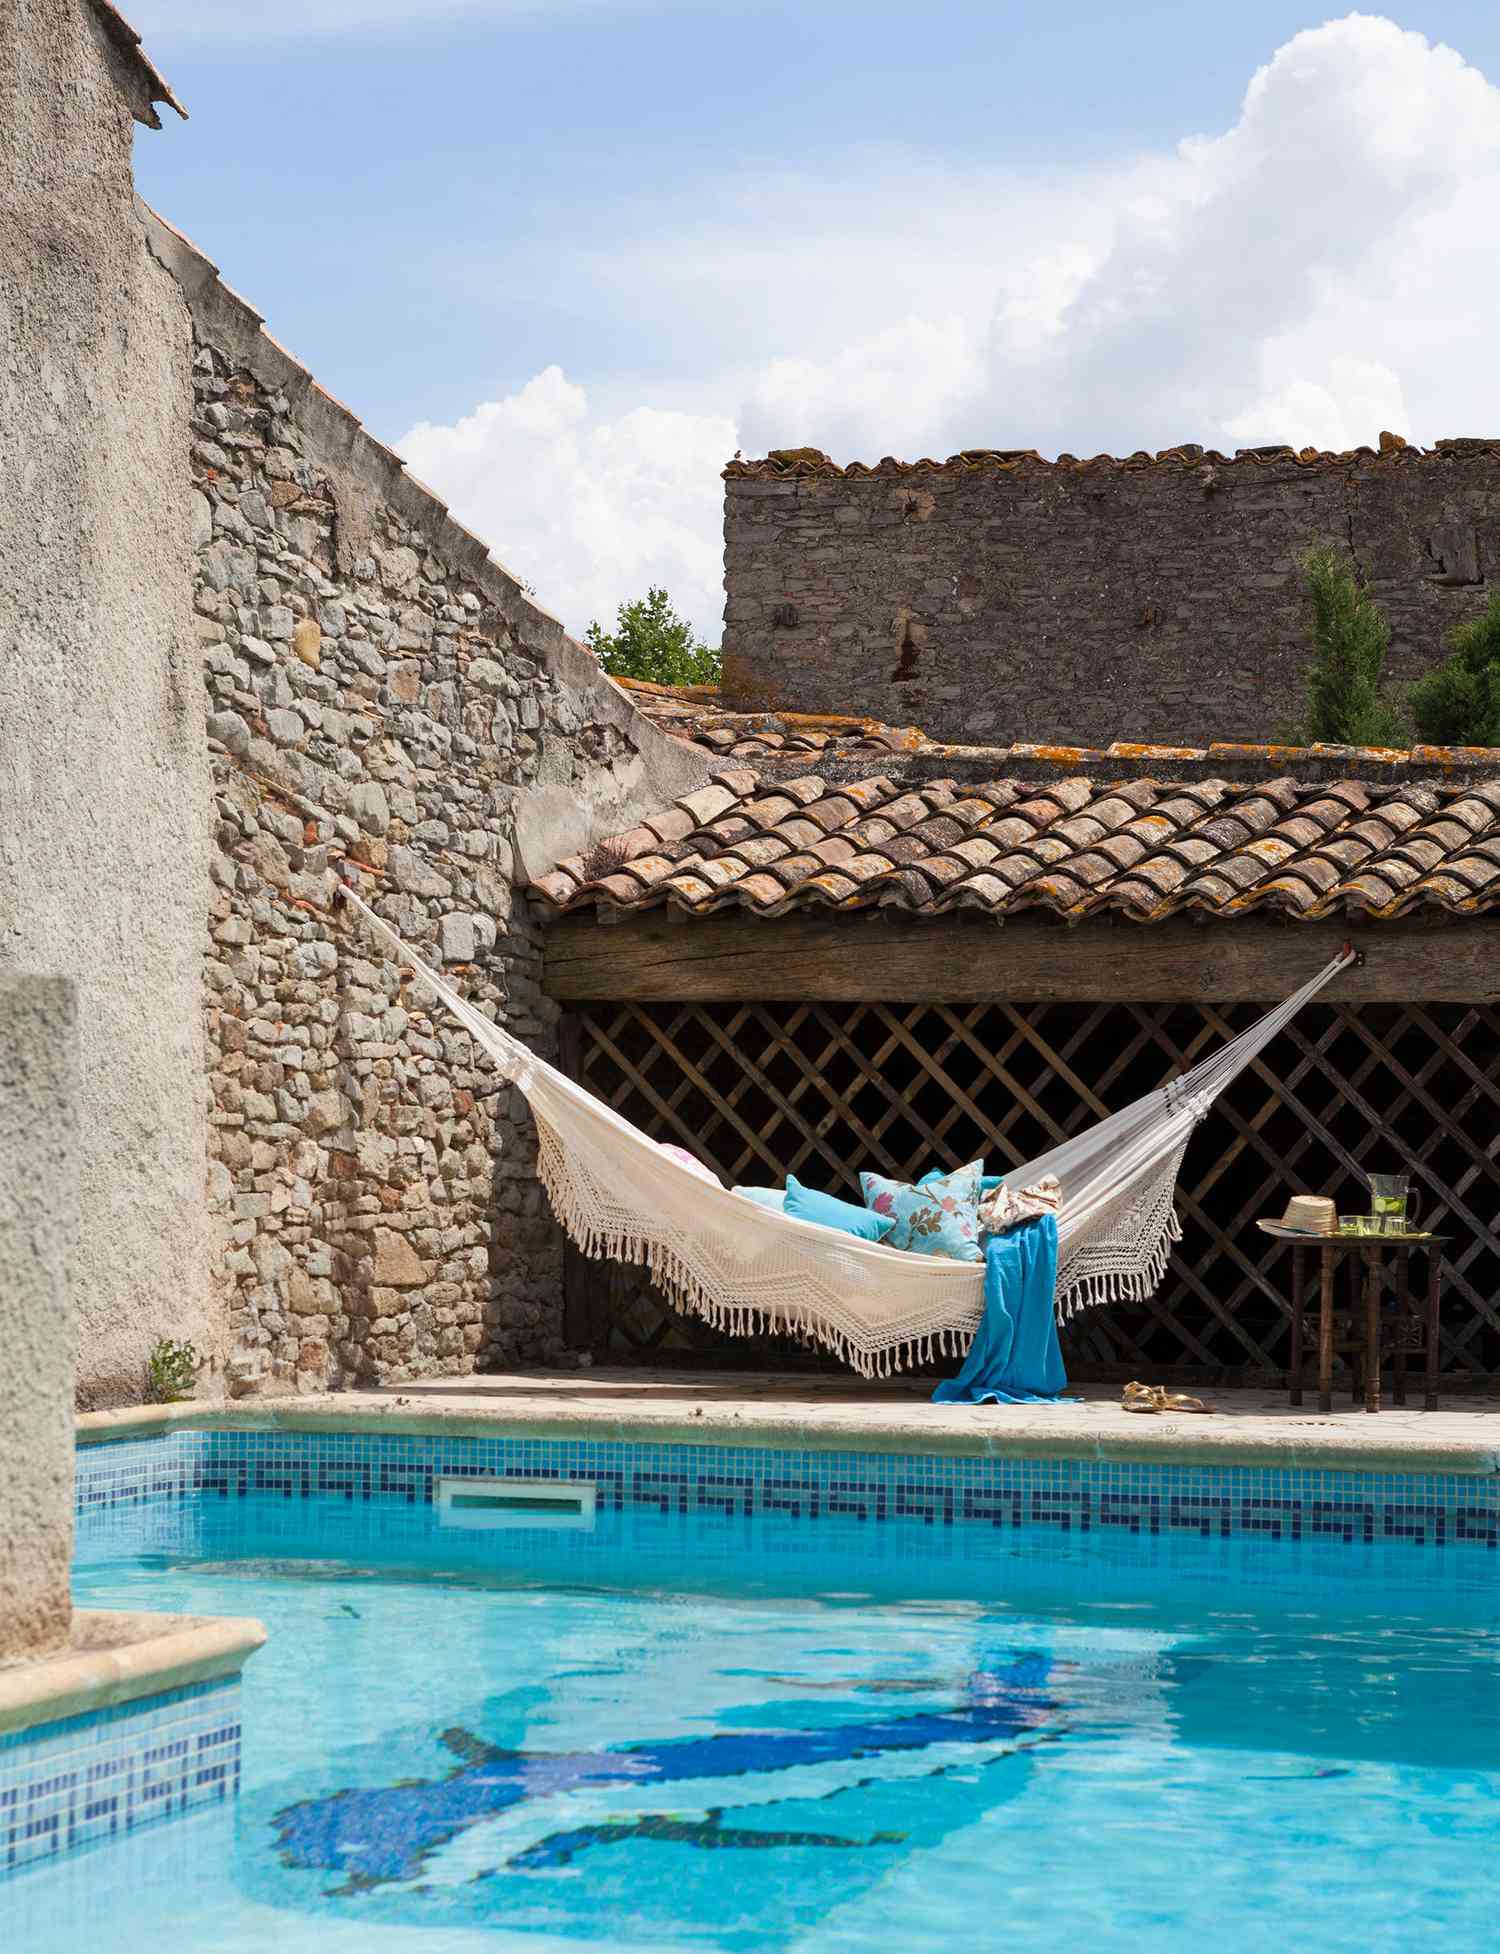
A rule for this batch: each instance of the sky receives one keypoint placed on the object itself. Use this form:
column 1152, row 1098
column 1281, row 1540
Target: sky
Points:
column 569, row 256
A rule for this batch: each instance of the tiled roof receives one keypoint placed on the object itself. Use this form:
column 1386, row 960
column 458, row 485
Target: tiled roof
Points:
column 693, row 713
column 783, row 463
column 1076, row 846
column 125, row 38
column 781, row 744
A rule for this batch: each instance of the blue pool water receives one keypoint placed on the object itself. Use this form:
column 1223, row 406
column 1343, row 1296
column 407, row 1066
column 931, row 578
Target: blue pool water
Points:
column 764, row 1733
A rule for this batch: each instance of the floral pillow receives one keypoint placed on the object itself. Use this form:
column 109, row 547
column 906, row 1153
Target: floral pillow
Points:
column 690, row 1161
column 941, row 1217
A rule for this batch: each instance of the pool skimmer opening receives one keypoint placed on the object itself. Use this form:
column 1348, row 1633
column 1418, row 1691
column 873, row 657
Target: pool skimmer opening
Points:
column 555, row 1503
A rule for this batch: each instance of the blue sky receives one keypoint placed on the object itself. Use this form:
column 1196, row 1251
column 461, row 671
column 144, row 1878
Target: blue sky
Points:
column 568, row 255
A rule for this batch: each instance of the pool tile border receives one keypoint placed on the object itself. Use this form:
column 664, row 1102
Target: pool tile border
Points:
column 84, row 1780
column 1423, row 1509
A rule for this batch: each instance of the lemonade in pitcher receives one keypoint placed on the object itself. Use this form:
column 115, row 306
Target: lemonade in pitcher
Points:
column 1391, row 1203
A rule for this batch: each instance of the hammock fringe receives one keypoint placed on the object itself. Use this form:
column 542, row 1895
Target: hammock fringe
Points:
column 687, row 1293
column 1136, row 1285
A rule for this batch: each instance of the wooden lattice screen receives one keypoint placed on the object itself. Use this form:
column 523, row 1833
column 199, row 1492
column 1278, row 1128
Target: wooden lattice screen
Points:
column 824, row 1090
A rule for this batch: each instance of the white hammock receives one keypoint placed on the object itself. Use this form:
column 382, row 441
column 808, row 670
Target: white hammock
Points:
column 745, row 1268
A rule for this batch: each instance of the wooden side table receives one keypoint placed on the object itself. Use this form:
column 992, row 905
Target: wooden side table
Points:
column 1366, row 1342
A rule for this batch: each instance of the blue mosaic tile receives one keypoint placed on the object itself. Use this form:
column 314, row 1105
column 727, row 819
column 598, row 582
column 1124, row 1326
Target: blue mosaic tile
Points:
column 1422, row 1510
column 87, row 1779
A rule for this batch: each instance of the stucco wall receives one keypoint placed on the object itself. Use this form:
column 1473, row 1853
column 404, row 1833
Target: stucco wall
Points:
column 103, row 840
column 1007, row 598
column 38, row 1223
column 382, row 693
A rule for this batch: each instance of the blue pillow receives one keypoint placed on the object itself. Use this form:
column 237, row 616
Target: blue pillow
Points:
column 987, row 1182
column 940, row 1216
column 765, row 1197
column 807, row 1204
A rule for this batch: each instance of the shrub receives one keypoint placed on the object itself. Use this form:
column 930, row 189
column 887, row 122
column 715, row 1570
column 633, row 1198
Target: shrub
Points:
column 1458, row 703
column 1342, row 699
column 171, row 1372
column 652, row 642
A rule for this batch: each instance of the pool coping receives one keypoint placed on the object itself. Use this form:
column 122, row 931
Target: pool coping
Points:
column 116, row 1658
column 1168, row 1440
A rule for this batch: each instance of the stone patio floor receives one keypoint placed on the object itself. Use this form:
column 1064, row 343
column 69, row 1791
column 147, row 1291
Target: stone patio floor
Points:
column 850, row 1413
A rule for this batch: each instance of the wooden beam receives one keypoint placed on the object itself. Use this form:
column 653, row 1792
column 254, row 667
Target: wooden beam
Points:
column 665, row 956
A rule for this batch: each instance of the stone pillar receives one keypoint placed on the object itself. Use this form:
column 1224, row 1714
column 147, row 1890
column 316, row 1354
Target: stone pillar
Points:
column 38, row 1236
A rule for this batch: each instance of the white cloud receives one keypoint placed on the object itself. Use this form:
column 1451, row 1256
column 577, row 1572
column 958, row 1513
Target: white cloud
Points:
column 1293, row 279
column 1339, row 411
column 904, row 380
column 587, row 510
column 1321, row 270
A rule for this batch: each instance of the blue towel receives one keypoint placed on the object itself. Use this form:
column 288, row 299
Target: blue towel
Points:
column 1014, row 1358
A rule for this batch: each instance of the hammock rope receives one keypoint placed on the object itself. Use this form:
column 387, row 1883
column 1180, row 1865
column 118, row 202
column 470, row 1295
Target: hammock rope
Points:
column 748, row 1270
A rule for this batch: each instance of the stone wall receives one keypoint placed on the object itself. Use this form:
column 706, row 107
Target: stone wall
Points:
column 998, row 598
column 103, row 766
column 381, row 695
column 38, row 1240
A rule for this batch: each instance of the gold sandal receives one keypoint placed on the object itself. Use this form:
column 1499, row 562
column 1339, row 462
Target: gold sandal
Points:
column 1154, row 1398
column 1181, row 1401
column 1143, row 1397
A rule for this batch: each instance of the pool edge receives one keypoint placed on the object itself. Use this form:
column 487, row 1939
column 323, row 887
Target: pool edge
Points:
column 1188, row 1440
column 149, row 1655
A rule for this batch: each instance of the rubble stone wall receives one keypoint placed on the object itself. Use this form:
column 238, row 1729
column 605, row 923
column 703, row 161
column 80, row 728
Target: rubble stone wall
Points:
column 997, row 599
column 383, row 700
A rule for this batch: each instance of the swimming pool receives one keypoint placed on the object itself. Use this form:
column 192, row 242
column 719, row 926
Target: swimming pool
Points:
column 844, row 1722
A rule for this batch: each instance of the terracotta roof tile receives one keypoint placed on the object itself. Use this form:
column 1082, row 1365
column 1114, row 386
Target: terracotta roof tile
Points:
column 690, row 888
column 557, row 886
column 762, row 890
column 648, row 870
column 868, row 794
column 943, row 871
column 1123, row 850
column 913, row 846
column 759, row 851
column 1141, row 847
column 800, row 832
column 635, row 841
column 675, row 824
column 983, row 891
column 793, row 870
column 769, row 810
column 705, row 803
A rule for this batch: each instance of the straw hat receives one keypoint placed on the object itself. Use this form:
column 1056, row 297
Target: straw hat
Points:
column 1311, row 1214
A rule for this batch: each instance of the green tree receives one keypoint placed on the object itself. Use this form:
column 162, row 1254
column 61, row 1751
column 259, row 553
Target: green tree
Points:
column 1458, row 703
column 652, row 642
column 1342, row 699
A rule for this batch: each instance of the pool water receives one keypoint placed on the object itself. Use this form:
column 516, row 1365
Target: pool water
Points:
column 770, row 1733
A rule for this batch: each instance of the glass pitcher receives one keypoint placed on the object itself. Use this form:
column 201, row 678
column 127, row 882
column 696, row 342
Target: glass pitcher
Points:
column 1393, row 1204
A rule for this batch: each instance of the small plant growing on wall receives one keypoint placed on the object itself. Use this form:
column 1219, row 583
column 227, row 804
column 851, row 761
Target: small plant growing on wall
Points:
column 1458, row 704
column 1343, row 703
column 171, row 1372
